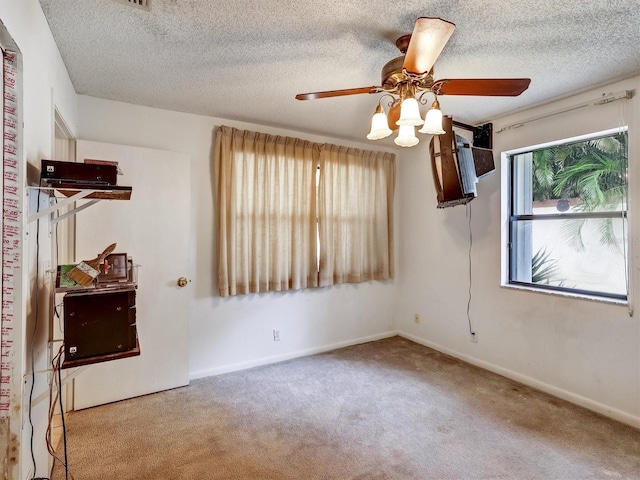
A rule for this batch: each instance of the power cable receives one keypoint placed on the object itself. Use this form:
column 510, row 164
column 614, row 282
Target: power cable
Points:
column 33, row 338
column 468, row 211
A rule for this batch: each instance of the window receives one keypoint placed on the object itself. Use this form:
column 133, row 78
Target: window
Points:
column 355, row 213
column 294, row 214
column 568, row 216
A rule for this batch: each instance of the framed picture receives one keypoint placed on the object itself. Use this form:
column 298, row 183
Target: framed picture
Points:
column 114, row 269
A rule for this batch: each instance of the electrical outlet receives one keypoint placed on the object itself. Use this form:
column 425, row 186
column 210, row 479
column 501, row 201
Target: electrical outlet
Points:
column 474, row 337
column 276, row 335
column 416, row 318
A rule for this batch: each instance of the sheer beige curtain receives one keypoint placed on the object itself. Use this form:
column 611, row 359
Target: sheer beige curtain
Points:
column 355, row 214
column 266, row 203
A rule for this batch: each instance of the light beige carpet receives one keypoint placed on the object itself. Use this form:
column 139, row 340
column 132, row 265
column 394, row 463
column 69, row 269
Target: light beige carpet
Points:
column 390, row 409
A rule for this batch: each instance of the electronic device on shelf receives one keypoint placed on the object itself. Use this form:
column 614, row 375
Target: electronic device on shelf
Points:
column 69, row 178
column 99, row 324
column 58, row 172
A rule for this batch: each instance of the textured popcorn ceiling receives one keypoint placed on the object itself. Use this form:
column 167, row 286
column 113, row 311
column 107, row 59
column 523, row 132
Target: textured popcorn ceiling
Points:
column 247, row 59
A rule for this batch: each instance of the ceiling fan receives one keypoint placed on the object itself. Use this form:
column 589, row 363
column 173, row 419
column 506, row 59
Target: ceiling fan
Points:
column 411, row 75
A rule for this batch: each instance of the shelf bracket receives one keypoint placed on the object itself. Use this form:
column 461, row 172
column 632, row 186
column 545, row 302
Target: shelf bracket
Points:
column 73, row 212
column 61, row 204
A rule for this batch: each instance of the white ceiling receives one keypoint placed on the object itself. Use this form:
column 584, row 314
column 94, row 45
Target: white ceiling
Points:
column 247, row 59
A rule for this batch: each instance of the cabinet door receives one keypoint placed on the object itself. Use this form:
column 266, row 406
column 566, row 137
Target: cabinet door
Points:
column 153, row 228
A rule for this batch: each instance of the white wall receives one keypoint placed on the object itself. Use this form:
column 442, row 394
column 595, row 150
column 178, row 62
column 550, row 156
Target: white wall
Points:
column 45, row 84
column 581, row 350
column 232, row 333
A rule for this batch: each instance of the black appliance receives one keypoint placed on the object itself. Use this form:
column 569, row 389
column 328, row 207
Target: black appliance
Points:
column 99, row 323
column 54, row 172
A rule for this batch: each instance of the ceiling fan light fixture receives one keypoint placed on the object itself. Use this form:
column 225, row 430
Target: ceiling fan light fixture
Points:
column 407, row 79
column 406, row 136
column 410, row 113
column 379, row 127
column 433, row 120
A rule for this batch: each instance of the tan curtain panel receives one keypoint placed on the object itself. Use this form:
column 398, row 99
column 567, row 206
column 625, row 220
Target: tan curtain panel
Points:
column 355, row 214
column 266, row 198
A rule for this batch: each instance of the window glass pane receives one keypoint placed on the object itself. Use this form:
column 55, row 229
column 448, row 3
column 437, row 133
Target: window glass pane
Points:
column 585, row 176
column 573, row 254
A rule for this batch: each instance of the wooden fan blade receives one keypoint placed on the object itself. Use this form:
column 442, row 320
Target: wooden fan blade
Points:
column 337, row 93
column 429, row 37
column 490, row 87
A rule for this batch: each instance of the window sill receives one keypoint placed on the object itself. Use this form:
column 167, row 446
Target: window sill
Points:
column 592, row 298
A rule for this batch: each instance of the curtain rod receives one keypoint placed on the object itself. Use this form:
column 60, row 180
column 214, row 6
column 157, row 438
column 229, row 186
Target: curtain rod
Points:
column 604, row 99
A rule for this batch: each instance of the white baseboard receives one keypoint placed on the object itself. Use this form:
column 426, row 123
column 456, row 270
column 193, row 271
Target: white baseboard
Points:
column 587, row 403
column 287, row 356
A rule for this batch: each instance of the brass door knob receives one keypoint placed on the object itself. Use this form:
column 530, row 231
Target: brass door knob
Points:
column 182, row 282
